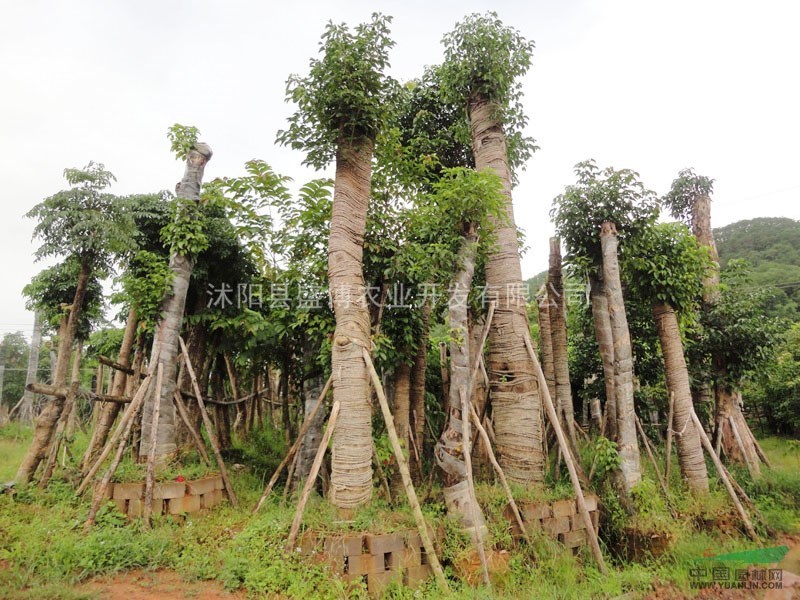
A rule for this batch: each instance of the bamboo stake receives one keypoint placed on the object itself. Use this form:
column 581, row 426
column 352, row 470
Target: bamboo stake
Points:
column 150, row 475
column 125, row 424
column 100, row 493
column 746, row 499
column 759, row 450
column 670, row 419
column 724, row 476
column 652, row 458
column 296, row 446
column 465, row 447
column 564, row 448
column 290, row 477
column 414, row 444
column 500, row 474
column 312, row 477
column 212, row 436
column 406, row 476
column 747, row 459
column 184, row 414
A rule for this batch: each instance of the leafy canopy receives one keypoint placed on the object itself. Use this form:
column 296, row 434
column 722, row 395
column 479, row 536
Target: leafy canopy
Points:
column 182, row 138
column 485, row 59
column 599, row 196
column 683, row 192
column 84, row 221
column 665, row 264
column 346, row 95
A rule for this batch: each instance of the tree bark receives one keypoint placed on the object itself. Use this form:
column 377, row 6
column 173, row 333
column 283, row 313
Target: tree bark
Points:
column 418, row 371
column 690, row 449
column 515, row 395
column 449, row 452
column 312, row 387
column 729, row 413
column 546, row 344
column 47, row 420
column 605, row 345
column 630, row 463
column 110, row 410
column 169, row 326
column 401, row 414
column 558, row 334
column 351, row 462
column 26, row 410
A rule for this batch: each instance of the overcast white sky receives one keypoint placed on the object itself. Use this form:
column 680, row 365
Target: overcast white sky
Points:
column 650, row 86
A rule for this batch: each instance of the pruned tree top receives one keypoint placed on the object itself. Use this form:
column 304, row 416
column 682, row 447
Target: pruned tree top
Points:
column 664, row 263
column 486, row 59
column 346, row 93
column 612, row 195
column 683, row 192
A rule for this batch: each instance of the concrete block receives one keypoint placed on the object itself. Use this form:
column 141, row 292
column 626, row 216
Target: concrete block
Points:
column 383, row 543
column 169, row 489
column 128, row 491
column 202, row 486
column 122, row 506
column 573, row 539
column 576, row 523
column 564, row 508
column 591, row 501
column 378, row 582
column 210, row 499
column 403, row 559
column 220, row 485
column 136, row 507
column 365, row 564
column 532, row 511
column 555, row 525
column 187, row 504
column 344, row 545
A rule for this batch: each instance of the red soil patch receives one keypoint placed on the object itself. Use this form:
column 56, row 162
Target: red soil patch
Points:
column 149, row 585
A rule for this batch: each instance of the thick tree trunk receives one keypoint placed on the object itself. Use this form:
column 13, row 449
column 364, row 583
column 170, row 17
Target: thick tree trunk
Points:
column 418, row 371
column 312, row 388
column 630, row 464
column 515, row 396
column 737, row 445
column 47, row 420
column 351, row 458
column 546, row 344
column 401, row 413
column 701, row 229
column 605, row 345
column 26, row 409
column 558, row 334
column 690, row 450
column 449, row 452
column 165, row 343
column 110, row 410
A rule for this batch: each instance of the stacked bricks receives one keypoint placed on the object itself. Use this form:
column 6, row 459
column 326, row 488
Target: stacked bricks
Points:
column 169, row 497
column 558, row 520
column 375, row 559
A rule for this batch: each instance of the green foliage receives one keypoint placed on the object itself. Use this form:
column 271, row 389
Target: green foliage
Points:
column 346, row 95
column 664, row 264
column 144, row 284
column 486, row 59
column 608, row 459
column 610, row 195
column 736, row 328
column 53, row 289
column 182, row 138
column 683, row 192
column 185, row 234
column 84, row 221
column 14, row 350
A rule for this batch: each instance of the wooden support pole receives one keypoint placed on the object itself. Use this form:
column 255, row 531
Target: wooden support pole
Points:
column 748, row 459
column 290, row 477
column 467, row 452
column 312, row 477
column 650, row 455
column 563, row 446
column 670, row 419
column 723, row 474
column 500, row 474
column 104, row 360
column 212, row 436
column 406, row 476
column 150, row 474
column 759, row 450
column 196, row 439
column 296, row 446
column 125, row 424
column 381, row 475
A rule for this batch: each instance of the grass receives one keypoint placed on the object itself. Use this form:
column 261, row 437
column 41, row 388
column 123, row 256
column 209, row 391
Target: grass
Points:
column 41, row 538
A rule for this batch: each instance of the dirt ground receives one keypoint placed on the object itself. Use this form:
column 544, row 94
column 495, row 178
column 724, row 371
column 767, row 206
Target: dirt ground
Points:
column 148, row 585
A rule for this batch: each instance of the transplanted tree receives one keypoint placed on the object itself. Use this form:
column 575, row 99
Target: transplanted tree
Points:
column 87, row 225
column 590, row 216
column 185, row 238
column 343, row 104
column 665, row 265
column 484, row 60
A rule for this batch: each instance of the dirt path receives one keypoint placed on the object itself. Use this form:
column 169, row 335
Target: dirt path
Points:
column 149, row 585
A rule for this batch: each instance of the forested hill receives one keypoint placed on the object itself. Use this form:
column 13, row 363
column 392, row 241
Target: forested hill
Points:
column 772, row 247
